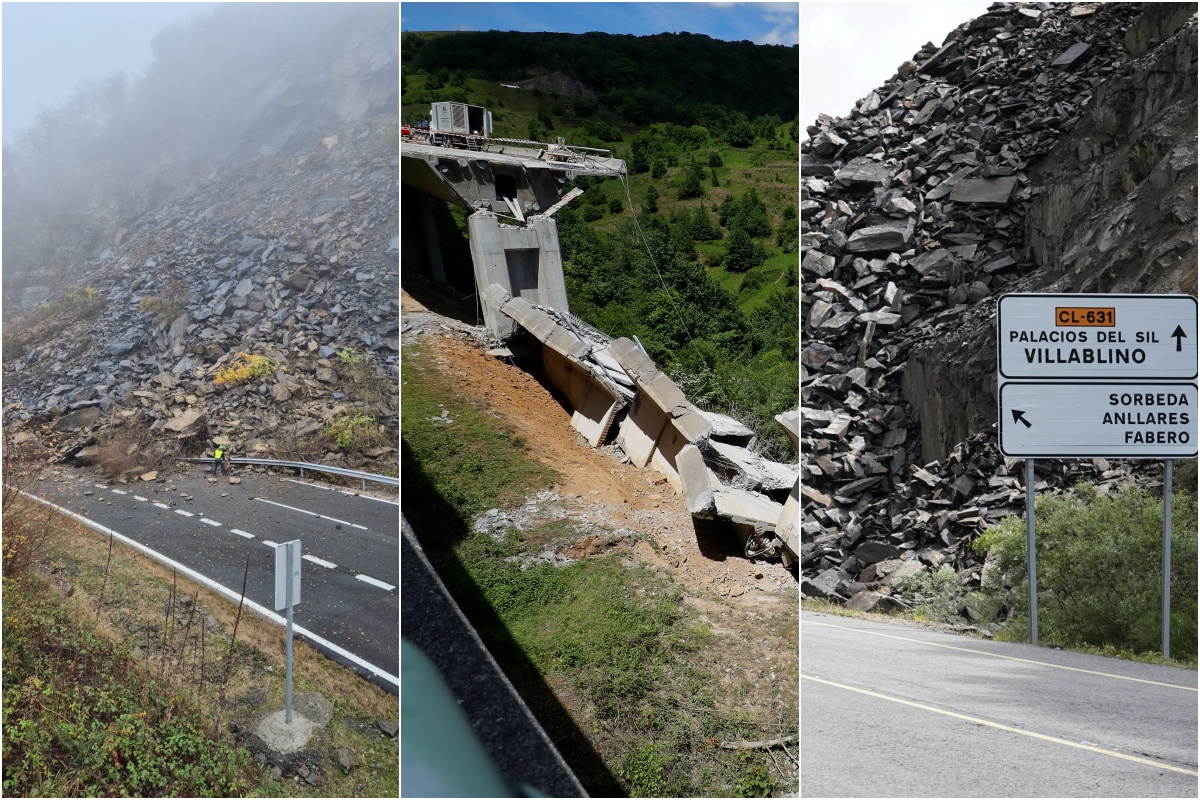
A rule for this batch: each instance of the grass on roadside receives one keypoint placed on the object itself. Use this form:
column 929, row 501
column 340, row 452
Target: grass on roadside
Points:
column 178, row 650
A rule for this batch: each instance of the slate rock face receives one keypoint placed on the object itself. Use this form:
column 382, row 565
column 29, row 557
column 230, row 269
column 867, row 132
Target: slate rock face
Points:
column 1031, row 151
column 246, row 270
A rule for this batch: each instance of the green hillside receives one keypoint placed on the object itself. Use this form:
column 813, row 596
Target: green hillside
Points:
column 717, row 304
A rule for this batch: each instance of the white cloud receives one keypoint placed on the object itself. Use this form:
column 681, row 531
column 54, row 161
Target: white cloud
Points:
column 785, row 21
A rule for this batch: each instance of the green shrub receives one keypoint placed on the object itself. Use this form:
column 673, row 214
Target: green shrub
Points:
column 354, row 430
column 1100, row 569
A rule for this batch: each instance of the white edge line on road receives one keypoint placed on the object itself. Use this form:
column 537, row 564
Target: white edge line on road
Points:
column 242, row 533
column 262, row 611
column 343, row 491
column 312, row 514
column 322, row 562
column 373, row 582
column 139, row 498
column 212, row 522
column 998, row 655
column 998, row 726
column 185, row 513
column 117, row 491
column 163, row 505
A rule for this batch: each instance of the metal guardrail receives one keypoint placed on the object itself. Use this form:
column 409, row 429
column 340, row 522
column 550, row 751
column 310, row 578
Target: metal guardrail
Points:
column 303, row 465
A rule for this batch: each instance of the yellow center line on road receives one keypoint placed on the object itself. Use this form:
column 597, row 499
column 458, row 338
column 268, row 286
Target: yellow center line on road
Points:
column 998, row 655
column 998, row 726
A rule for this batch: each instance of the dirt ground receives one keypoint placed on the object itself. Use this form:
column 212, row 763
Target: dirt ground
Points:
column 751, row 608
column 594, row 484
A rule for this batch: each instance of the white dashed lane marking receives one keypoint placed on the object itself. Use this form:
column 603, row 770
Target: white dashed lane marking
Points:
column 318, row 561
column 313, row 514
column 141, row 499
column 99, row 485
column 373, row 582
column 343, row 491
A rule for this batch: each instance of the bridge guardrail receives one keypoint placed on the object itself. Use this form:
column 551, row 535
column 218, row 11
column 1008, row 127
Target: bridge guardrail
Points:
column 303, row 465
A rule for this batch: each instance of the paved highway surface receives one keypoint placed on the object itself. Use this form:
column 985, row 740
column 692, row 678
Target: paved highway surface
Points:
column 350, row 543
column 890, row 710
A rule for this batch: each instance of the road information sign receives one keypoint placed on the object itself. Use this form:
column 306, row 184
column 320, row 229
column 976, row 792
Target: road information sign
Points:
column 1109, row 336
column 1044, row 419
column 1096, row 375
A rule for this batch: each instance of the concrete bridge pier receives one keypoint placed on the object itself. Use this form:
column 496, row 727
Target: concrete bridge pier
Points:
column 526, row 261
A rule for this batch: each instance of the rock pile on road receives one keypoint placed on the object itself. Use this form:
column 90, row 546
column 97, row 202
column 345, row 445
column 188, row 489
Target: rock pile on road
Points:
column 292, row 257
column 913, row 221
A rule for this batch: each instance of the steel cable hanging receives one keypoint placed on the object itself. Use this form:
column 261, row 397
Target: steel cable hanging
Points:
column 637, row 226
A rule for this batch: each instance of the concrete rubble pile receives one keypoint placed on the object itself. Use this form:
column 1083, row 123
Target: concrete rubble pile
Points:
column 293, row 257
column 707, row 457
column 914, row 220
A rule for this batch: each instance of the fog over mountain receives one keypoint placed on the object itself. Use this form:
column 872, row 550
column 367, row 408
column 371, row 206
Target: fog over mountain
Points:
column 248, row 80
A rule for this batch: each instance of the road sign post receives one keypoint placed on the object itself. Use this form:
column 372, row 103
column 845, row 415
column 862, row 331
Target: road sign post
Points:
column 1097, row 376
column 287, row 594
column 1032, row 552
column 1166, row 564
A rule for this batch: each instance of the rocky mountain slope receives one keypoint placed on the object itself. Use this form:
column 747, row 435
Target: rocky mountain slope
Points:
column 1042, row 147
column 291, row 257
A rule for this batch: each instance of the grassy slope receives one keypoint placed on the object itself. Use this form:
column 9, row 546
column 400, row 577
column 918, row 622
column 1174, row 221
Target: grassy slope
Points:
column 119, row 651
column 773, row 173
column 616, row 641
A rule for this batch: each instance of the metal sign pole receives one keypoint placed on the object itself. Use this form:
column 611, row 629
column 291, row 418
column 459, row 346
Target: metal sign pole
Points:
column 1033, row 613
column 1166, row 564
column 288, row 699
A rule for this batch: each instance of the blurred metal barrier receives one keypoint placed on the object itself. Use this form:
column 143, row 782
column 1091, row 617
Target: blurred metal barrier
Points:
column 304, row 465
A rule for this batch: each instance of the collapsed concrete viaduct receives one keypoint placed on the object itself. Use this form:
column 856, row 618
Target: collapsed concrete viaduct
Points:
column 509, row 194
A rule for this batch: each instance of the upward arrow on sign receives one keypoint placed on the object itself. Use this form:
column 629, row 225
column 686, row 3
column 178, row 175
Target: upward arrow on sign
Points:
column 1179, row 337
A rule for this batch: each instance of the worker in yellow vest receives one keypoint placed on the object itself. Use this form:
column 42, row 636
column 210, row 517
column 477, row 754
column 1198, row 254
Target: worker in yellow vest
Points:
column 219, row 461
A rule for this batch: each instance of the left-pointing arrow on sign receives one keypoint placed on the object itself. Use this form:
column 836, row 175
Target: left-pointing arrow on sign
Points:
column 1019, row 416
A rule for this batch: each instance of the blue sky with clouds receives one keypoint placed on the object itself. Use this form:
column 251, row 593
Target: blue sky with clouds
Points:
column 763, row 23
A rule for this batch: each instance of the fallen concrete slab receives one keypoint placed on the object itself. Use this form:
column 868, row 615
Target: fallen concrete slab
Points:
column 699, row 482
column 787, row 529
column 593, row 397
column 660, row 421
column 790, row 420
column 754, row 471
column 741, row 506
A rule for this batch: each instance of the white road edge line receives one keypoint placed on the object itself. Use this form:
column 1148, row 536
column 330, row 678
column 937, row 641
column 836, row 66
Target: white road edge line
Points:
column 242, row 533
column 322, row 562
column 262, row 611
column 185, row 513
column 313, row 514
column 163, row 505
column 998, row 726
column 117, row 491
column 373, row 582
column 343, row 491
column 212, row 522
column 998, row 655
column 139, row 498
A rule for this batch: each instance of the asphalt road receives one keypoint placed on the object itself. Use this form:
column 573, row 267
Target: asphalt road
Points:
column 889, row 710
column 350, row 546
